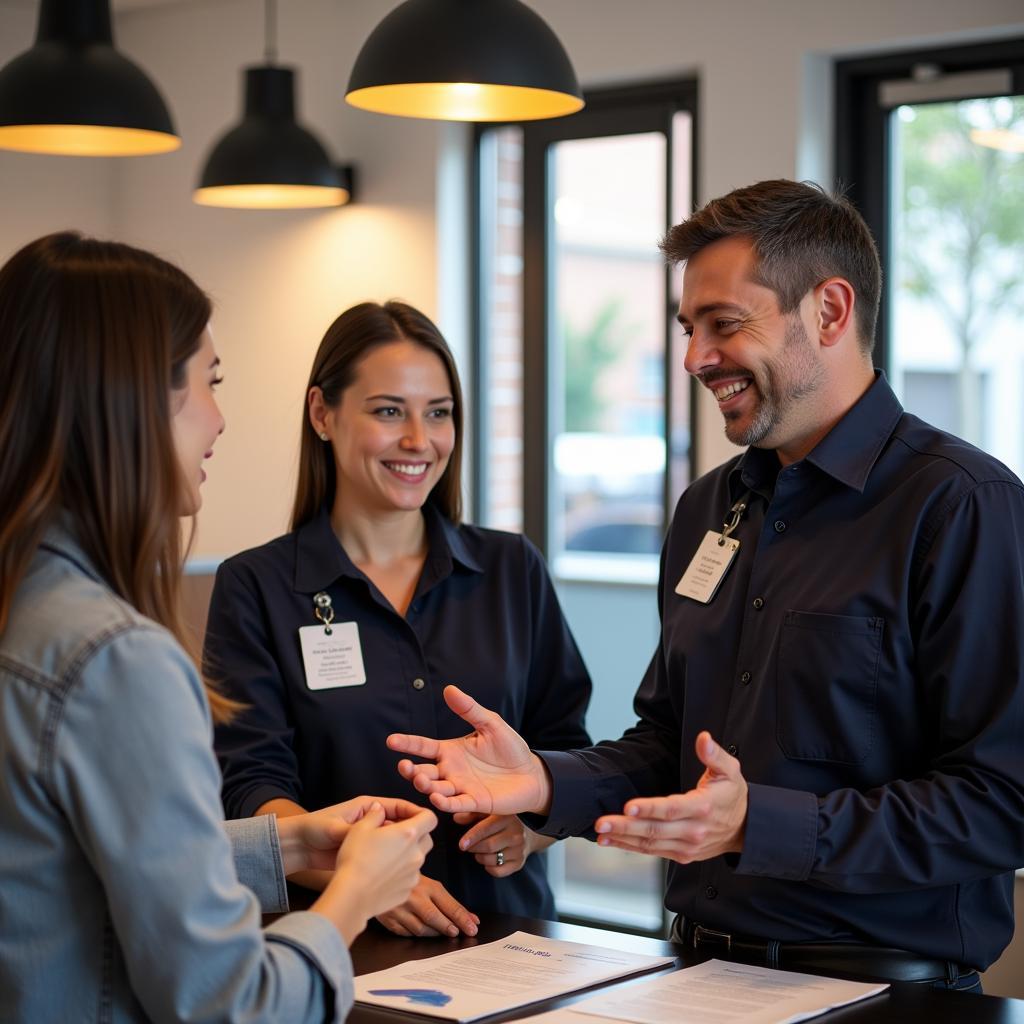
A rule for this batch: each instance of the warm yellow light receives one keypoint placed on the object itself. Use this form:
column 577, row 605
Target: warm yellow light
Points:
column 465, row 101
column 85, row 140
column 271, row 197
column 1005, row 139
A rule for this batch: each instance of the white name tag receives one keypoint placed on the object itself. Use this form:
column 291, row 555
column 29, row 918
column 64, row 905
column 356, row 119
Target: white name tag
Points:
column 708, row 567
column 332, row 660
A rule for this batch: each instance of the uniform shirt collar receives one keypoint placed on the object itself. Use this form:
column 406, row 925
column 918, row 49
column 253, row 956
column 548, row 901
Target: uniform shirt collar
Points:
column 320, row 558
column 847, row 453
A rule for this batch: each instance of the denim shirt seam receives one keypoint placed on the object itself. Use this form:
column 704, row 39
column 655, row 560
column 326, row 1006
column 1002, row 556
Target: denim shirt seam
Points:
column 58, row 694
column 275, row 846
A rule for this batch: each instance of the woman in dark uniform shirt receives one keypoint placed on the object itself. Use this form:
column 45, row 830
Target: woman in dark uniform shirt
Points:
column 412, row 599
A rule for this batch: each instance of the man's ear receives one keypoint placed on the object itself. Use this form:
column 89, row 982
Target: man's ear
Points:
column 834, row 300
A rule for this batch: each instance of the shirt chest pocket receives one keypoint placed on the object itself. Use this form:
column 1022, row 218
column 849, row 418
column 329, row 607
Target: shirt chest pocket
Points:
column 826, row 686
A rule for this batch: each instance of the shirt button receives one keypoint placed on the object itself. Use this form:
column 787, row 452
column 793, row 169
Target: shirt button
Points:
column 733, row 749
column 418, row 684
column 780, row 526
column 711, row 892
column 758, row 603
column 745, row 678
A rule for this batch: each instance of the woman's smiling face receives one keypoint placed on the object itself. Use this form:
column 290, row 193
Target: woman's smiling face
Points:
column 392, row 430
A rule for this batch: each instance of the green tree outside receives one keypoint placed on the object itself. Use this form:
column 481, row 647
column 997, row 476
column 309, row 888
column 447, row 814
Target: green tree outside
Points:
column 961, row 224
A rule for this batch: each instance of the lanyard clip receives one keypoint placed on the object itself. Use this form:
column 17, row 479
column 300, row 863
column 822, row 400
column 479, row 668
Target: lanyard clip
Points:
column 733, row 519
column 323, row 610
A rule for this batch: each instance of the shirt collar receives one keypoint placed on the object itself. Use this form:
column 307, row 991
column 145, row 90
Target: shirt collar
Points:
column 59, row 539
column 320, row 559
column 847, row 453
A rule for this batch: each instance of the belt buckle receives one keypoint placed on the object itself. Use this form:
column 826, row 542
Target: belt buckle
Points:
column 711, row 936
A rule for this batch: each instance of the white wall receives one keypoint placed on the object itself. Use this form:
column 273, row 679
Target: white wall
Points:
column 279, row 278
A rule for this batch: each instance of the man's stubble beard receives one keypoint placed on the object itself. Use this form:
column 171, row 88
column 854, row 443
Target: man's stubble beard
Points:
column 776, row 399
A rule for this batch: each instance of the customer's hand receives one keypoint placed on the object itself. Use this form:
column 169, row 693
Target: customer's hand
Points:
column 491, row 770
column 377, row 867
column 430, row 910
column 311, row 840
column 707, row 821
column 492, row 834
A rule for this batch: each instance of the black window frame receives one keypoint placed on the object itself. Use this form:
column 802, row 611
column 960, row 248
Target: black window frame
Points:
column 619, row 110
column 862, row 140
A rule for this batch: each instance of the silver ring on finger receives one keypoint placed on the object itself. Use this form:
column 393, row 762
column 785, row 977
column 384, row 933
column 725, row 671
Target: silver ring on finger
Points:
column 499, row 858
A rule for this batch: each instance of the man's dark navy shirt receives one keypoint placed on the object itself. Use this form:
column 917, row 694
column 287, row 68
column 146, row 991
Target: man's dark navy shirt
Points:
column 864, row 659
column 484, row 616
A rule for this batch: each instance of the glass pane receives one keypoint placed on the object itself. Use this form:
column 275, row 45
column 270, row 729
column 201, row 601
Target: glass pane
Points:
column 606, row 475
column 609, row 886
column 501, row 300
column 607, row 356
column 957, row 317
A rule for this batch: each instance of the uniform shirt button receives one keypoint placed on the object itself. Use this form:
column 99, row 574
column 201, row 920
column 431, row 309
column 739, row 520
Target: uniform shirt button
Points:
column 780, row 526
column 758, row 603
column 733, row 749
column 418, row 684
column 711, row 892
column 745, row 678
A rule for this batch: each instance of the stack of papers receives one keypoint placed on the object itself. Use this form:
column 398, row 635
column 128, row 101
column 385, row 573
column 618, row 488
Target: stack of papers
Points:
column 716, row 993
column 496, row 976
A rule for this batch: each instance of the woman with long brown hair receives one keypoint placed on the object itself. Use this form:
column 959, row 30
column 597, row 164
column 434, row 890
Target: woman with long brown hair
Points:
column 380, row 568
column 120, row 891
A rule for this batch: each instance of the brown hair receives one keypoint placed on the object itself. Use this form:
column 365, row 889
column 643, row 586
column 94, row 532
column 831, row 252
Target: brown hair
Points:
column 801, row 236
column 351, row 337
column 94, row 336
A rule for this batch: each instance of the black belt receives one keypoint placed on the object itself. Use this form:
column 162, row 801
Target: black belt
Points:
column 874, row 963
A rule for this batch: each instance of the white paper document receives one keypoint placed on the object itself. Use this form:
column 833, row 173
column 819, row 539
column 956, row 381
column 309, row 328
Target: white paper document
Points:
column 480, row 980
column 716, row 992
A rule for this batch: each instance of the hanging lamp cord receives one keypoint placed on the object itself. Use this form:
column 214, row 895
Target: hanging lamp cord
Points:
column 270, row 31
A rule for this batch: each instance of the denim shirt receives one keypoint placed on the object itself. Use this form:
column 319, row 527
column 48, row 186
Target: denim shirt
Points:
column 120, row 897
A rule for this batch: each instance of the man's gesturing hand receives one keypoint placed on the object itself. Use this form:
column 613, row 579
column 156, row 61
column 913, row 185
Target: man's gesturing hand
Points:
column 703, row 823
column 491, row 770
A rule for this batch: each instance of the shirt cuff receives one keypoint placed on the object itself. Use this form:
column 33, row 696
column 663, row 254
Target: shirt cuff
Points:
column 781, row 833
column 574, row 807
column 257, row 797
column 320, row 942
column 258, row 864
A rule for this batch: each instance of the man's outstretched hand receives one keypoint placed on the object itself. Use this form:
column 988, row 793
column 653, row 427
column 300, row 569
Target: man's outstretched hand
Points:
column 491, row 770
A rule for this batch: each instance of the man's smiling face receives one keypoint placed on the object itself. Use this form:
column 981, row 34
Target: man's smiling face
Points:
column 761, row 364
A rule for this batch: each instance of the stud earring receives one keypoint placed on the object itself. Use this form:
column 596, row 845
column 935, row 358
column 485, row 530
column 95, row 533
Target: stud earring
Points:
column 323, row 435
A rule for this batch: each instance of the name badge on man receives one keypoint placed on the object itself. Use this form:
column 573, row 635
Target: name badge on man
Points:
column 717, row 550
column 332, row 659
column 708, row 567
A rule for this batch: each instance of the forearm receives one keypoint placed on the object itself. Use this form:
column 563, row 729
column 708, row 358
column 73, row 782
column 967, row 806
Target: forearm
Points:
column 340, row 903
column 909, row 834
column 539, row 843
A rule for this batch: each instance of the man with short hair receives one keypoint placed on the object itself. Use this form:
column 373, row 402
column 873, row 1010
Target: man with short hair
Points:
column 829, row 738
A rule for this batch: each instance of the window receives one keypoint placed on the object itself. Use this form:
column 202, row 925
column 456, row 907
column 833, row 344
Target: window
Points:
column 935, row 156
column 584, row 439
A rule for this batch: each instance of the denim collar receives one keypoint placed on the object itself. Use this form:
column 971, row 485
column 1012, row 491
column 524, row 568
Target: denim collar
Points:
column 59, row 539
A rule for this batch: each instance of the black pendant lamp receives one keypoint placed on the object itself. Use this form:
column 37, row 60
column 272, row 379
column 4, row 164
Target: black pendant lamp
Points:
column 74, row 94
column 464, row 60
column 269, row 161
